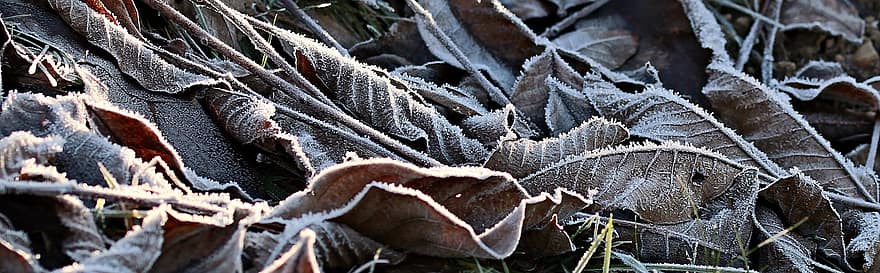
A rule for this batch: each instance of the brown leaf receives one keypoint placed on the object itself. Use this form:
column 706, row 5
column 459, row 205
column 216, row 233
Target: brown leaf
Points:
column 200, row 244
column 790, row 252
column 531, row 91
column 522, row 157
column 501, row 49
column 837, row 17
column 402, row 40
column 300, row 258
column 376, row 101
column 863, row 250
column 790, row 141
column 608, row 47
column 661, row 115
column 150, row 70
column 798, row 198
column 134, row 253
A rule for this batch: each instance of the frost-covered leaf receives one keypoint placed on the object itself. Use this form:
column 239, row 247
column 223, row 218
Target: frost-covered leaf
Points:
column 527, row 9
column 661, row 115
column 15, row 253
column 531, row 92
column 798, row 198
column 566, row 107
column 631, row 177
column 447, row 96
column 493, row 126
column 522, row 157
column 200, row 244
column 838, row 17
column 790, row 141
column 336, row 246
column 300, row 258
column 21, row 146
column 375, row 100
column 249, row 121
column 402, row 40
column 132, row 55
column 680, row 48
column 480, row 212
column 839, row 107
column 134, row 253
column 863, row 251
column 82, row 237
column 790, row 252
column 609, row 47
column 500, row 50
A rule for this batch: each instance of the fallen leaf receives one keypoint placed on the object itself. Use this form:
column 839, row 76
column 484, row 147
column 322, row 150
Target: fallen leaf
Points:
column 608, row 47
column 837, row 17
column 531, row 91
column 522, row 157
column 566, row 107
column 661, row 115
column 791, row 141
column 863, row 250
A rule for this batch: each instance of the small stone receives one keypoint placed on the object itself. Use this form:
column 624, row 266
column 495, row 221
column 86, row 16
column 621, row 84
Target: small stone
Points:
column 742, row 24
column 839, row 58
column 786, row 67
column 866, row 56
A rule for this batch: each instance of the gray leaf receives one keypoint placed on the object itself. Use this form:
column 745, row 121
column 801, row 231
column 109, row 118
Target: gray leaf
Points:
column 134, row 253
column 21, row 146
column 132, row 55
column 501, row 49
column 566, row 107
column 788, row 253
column 837, row 17
column 521, row 158
column 660, row 115
column 864, row 248
column 531, row 92
column 608, row 47
column 775, row 128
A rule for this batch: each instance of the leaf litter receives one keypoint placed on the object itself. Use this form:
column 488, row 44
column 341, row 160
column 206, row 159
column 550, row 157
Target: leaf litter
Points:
column 209, row 136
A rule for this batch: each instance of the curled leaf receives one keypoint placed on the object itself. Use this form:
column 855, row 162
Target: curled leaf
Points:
column 150, row 70
column 791, row 142
column 838, row 17
column 531, row 91
column 522, row 157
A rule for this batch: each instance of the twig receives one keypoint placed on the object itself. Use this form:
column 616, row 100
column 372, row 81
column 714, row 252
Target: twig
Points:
column 748, row 44
column 573, row 18
column 767, row 63
column 313, row 26
column 753, row 14
column 267, row 49
column 321, row 109
column 450, row 46
column 123, row 194
column 850, row 201
column 872, row 150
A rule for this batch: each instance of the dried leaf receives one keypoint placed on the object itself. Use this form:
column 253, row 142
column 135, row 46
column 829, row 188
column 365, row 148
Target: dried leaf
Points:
column 712, row 237
column 15, row 253
column 531, row 91
column 500, row 50
column 300, row 258
column 82, row 237
column 790, row 252
column 21, row 146
column 632, row 177
column 150, row 70
column 134, row 253
column 608, row 47
column 661, row 115
column 521, row 158
column 837, row 17
column 478, row 212
column 791, row 141
column 798, row 199
column 499, row 124
column 447, row 96
column 200, row 244
column 566, row 107
column 527, row 9
column 375, row 100
column 864, row 248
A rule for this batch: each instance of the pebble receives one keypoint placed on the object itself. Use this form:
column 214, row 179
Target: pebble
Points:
column 866, row 56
